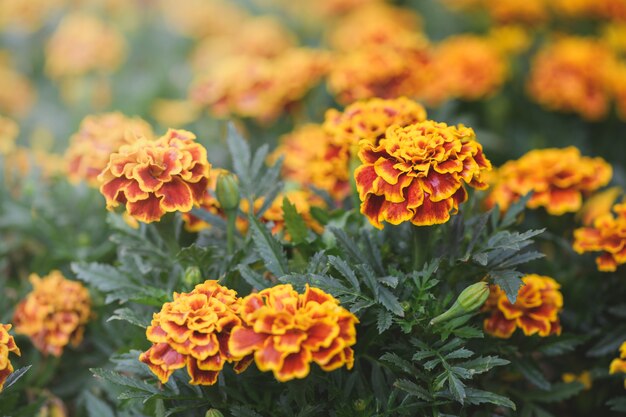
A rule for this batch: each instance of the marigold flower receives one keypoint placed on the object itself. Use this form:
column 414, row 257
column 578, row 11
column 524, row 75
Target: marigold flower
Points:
column 618, row 365
column 193, row 331
column 26, row 16
column 416, row 173
column 155, row 177
column 530, row 12
column 174, row 113
column 8, row 133
column 202, row 18
column 558, row 179
column 82, row 43
column 572, row 74
column 535, row 311
column 286, row 331
column 607, row 235
column 7, row 345
column 598, row 205
column 17, row 94
column 54, row 313
column 97, row 138
column 583, row 378
column 208, row 202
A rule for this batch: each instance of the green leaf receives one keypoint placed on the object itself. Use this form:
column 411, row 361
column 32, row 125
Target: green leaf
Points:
column 557, row 392
column 243, row 411
column 15, row 376
column 253, row 278
column 412, row 389
column 390, row 301
column 240, row 153
column 96, row 407
column 532, row 374
column 481, row 258
column 383, row 320
column 483, row 364
column 510, row 282
column 514, row 210
column 131, row 316
column 477, row 396
column 457, row 388
column 295, row 224
column 269, row 248
column 119, row 379
column 105, row 278
column 617, row 404
column 344, row 269
column 461, row 353
column 399, row 362
column 561, row 344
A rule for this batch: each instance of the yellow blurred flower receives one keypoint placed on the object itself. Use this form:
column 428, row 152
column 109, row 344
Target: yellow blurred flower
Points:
column 27, row 16
column 618, row 365
column 201, row 18
column 54, row 313
column 530, row 12
column 8, row 133
column 598, row 205
column 174, row 113
column 17, row 94
column 583, row 378
column 81, row 44
column 510, row 39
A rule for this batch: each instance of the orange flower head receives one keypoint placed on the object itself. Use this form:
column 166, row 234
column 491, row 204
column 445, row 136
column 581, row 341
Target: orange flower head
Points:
column 54, row 313
column 286, row 331
column 417, row 173
column 7, row 345
column 97, row 138
column 8, row 133
column 607, row 235
column 529, row 12
column 572, row 74
column 81, row 44
column 193, row 331
column 155, row 177
column 208, row 202
column 535, row 311
column 618, row 365
column 558, row 179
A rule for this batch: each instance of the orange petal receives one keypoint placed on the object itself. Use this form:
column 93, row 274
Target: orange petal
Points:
column 199, row 376
column 147, row 211
column 295, row 365
column 176, row 196
column 432, row 213
column 563, row 201
column 365, row 175
column 371, row 207
column 440, row 186
column 244, row 340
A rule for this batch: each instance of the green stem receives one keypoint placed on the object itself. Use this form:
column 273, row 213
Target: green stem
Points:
column 420, row 247
column 230, row 231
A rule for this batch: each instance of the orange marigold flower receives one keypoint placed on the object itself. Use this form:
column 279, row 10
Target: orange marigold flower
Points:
column 607, row 235
column 193, row 330
column 97, row 138
column 202, row 18
column 598, row 205
column 174, row 113
column 155, row 177
column 7, row 345
column 558, row 179
column 530, row 12
column 8, row 133
column 583, row 378
column 572, row 74
column 17, row 94
column 286, row 331
column 82, row 43
column 208, row 202
column 54, row 313
column 535, row 311
column 618, row 365
column 417, row 173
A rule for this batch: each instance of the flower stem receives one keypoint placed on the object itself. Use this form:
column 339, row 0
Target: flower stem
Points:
column 230, row 231
column 420, row 247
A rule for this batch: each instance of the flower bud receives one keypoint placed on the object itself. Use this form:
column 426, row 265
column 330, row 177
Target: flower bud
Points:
column 227, row 191
column 470, row 299
column 192, row 275
column 213, row 413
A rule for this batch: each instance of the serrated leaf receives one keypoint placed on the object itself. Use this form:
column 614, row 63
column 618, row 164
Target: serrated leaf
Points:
column 557, row 392
column 344, row 269
column 401, row 363
column 383, row 320
column 477, row 396
column 348, row 246
column 457, row 388
column 125, row 381
column 240, row 154
column 560, row 345
column 105, row 278
column 481, row 258
column 360, row 305
column 253, row 278
column 483, row 364
column 96, row 407
column 609, row 343
column 509, row 281
column 389, row 281
column 15, row 376
column 514, row 210
column 461, row 353
column 126, row 314
column 412, row 389
column 520, row 258
column 268, row 247
column 294, row 223
column 260, row 156
column 390, row 301
column 533, row 375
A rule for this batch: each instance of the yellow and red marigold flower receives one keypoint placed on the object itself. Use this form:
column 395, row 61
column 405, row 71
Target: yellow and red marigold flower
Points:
column 81, row 44
column 97, row 138
column 558, row 179
column 286, row 331
column 618, row 365
column 54, row 313
column 417, row 173
column 156, row 177
column 208, row 202
column 7, row 345
column 573, row 74
column 607, row 235
column 193, row 331
column 535, row 311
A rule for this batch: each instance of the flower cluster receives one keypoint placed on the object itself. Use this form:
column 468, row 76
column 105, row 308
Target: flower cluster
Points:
column 97, row 138
column 193, row 331
column 558, row 179
column 8, row 133
column 319, row 156
column 535, row 311
column 155, row 177
column 417, row 173
column 573, row 74
column 286, row 331
column 7, row 345
column 81, row 44
column 618, row 365
column 54, row 314
column 607, row 235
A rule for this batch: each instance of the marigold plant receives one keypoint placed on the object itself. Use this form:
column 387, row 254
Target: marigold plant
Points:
column 536, row 310
column 193, row 331
column 54, row 313
column 7, row 345
column 155, row 177
column 286, row 331
column 417, row 173
column 607, row 235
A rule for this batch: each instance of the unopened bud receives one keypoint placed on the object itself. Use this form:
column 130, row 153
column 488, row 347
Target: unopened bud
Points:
column 192, row 275
column 213, row 413
column 227, row 191
column 470, row 299
column 360, row 404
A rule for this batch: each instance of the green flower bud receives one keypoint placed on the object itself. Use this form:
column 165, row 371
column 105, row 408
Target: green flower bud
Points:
column 213, row 413
column 192, row 275
column 470, row 299
column 360, row 404
column 227, row 191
